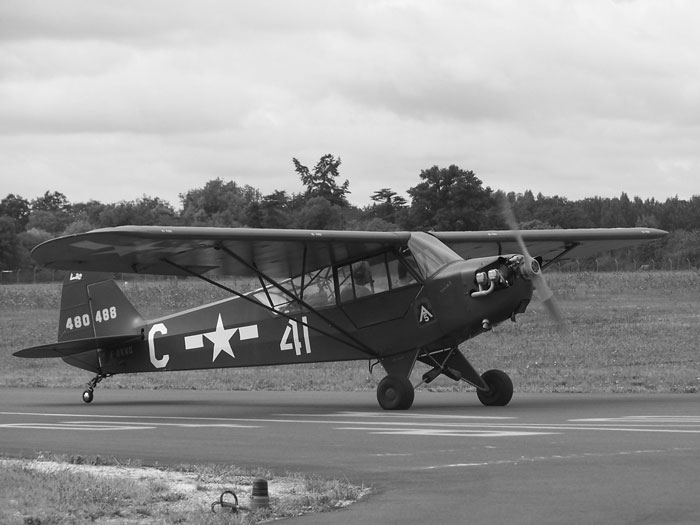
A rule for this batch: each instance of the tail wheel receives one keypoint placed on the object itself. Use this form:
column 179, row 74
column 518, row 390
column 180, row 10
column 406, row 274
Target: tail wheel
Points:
column 87, row 396
column 395, row 393
column 500, row 390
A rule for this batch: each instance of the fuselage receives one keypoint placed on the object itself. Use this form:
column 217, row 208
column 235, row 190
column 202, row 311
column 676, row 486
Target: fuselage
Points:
column 259, row 329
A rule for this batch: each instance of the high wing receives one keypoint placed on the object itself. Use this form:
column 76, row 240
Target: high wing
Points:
column 551, row 245
column 195, row 250
column 288, row 253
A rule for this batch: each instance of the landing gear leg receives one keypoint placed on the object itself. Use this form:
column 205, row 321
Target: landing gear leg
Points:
column 88, row 394
column 493, row 387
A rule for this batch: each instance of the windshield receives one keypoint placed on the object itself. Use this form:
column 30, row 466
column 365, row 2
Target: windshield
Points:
column 430, row 253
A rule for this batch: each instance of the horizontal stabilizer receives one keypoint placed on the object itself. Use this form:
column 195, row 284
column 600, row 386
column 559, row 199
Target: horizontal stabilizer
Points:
column 77, row 346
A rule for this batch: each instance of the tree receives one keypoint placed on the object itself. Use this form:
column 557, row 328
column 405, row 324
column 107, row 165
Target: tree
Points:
column 321, row 182
column 50, row 213
column 387, row 205
column 319, row 214
column 450, row 199
column 50, row 201
column 28, row 240
column 275, row 210
column 218, row 203
column 146, row 211
column 559, row 212
column 9, row 244
column 53, row 222
column 88, row 212
column 16, row 208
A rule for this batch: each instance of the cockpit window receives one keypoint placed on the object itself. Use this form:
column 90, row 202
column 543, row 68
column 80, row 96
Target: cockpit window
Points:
column 373, row 275
column 317, row 289
column 430, row 253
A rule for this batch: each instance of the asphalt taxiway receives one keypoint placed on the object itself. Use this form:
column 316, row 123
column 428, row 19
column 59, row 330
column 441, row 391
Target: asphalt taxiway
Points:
column 554, row 458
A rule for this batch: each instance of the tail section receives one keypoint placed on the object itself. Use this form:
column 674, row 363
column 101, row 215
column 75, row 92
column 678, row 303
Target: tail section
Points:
column 93, row 306
column 95, row 315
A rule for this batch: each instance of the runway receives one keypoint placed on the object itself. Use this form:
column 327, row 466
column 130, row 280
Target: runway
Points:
column 555, row 458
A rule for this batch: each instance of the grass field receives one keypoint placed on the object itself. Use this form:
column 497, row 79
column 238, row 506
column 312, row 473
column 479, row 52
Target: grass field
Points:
column 630, row 332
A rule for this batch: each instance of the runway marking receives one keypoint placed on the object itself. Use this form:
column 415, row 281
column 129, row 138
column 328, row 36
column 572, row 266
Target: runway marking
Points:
column 74, row 426
column 678, row 420
column 189, row 425
column 556, row 457
column 445, row 432
column 89, row 425
column 376, row 423
column 403, row 415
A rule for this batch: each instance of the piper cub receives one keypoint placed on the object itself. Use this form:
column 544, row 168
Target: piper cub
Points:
column 393, row 298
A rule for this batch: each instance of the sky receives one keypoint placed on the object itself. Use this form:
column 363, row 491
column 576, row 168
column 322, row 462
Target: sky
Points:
column 114, row 100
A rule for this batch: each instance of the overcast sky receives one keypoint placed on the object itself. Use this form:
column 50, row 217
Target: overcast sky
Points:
column 112, row 100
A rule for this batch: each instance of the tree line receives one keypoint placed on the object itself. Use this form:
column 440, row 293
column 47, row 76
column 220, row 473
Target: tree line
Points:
column 443, row 199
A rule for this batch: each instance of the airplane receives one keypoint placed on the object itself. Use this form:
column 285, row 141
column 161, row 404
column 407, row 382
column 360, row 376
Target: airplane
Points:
column 393, row 298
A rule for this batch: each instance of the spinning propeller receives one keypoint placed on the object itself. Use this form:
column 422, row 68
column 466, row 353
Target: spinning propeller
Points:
column 532, row 270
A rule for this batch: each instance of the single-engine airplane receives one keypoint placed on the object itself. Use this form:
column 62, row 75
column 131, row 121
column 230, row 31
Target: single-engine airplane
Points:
column 393, row 298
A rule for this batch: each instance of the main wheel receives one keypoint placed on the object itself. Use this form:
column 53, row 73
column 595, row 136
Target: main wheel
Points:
column 500, row 390
column 87, row 396
column 395, row 393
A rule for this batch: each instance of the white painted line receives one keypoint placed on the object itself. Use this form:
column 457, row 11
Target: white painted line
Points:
column 183, row 425
column 73, row 426
column 436, row 432
column 404, row 415
column 678, row 420
column 536, row 459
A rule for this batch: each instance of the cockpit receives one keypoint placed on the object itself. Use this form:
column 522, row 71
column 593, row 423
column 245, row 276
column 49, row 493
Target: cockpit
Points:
column 347, row 282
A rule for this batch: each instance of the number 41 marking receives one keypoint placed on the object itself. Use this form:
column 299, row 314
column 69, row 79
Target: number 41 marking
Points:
column 290, row 339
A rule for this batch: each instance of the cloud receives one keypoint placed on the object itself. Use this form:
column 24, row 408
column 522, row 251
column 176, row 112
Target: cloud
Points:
column 114, row 100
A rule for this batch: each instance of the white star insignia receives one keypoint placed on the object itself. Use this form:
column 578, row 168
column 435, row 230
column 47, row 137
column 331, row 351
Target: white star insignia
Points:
column 221, row 338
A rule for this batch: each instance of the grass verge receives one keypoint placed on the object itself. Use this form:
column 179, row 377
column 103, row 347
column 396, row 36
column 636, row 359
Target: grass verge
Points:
column 77, row 489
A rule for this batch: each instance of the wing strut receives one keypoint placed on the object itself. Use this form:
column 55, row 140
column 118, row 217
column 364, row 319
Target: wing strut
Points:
column 562, row 254
column 358, row 345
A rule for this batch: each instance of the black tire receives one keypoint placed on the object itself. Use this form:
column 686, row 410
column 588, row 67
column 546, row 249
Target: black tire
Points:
column 500, row 390
column 87, row 396
column 395, row 393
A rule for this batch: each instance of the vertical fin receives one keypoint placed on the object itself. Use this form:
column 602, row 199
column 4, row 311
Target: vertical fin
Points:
column 92, row 305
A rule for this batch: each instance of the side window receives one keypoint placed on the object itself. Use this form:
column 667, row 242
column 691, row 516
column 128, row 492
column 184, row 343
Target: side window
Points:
column 315, row 289
column 318, row 290
column 372, row 276
column 354, row 280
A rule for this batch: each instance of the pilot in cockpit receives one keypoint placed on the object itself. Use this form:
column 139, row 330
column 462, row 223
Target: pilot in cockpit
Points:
column 362, row 281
